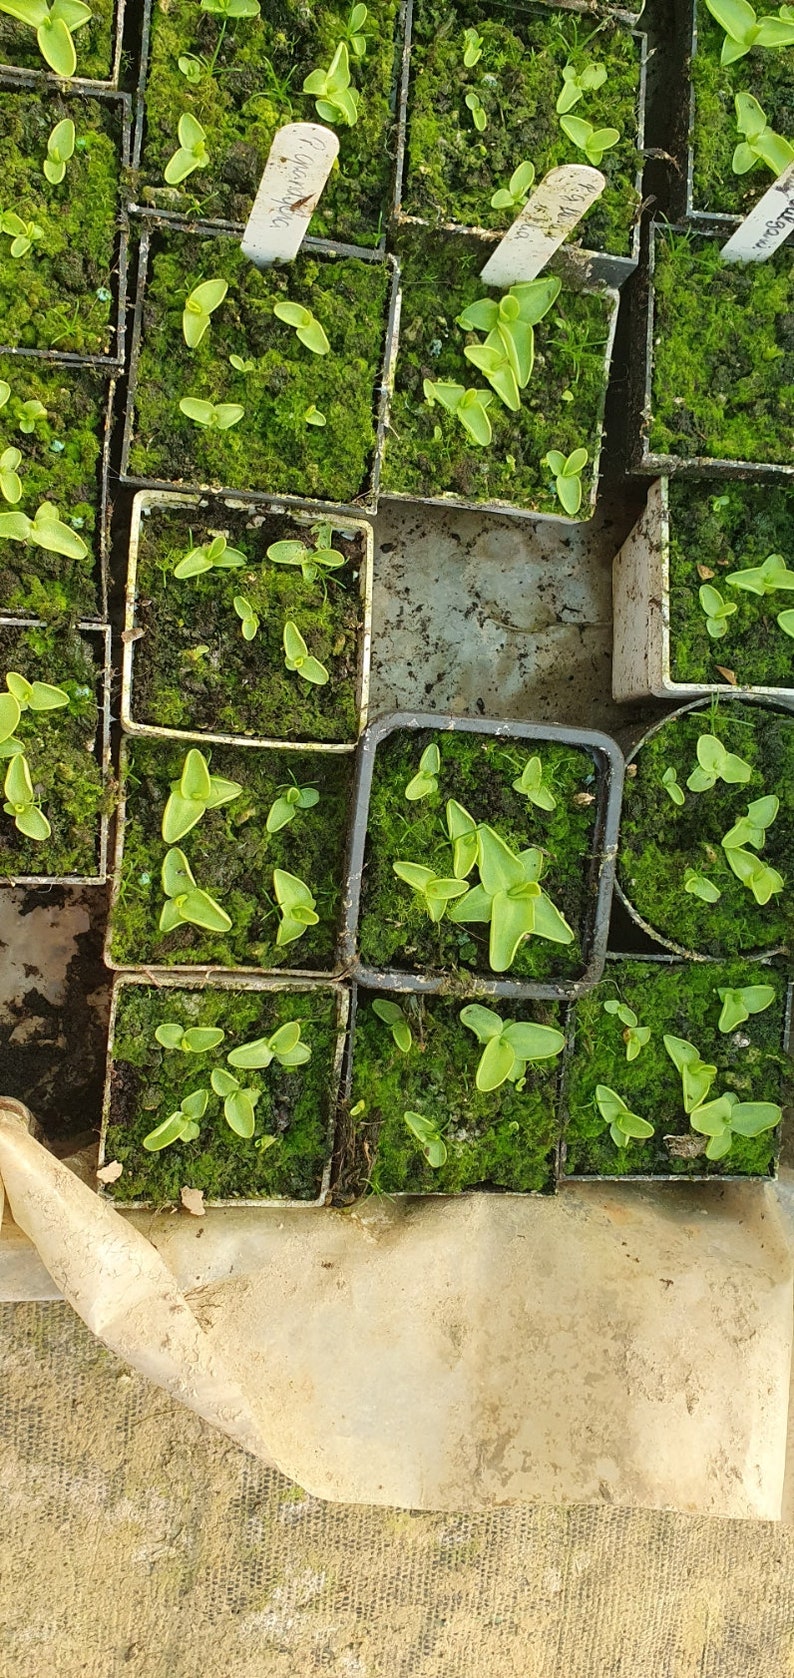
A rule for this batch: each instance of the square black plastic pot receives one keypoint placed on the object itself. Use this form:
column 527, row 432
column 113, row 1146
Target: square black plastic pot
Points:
column 608, row 761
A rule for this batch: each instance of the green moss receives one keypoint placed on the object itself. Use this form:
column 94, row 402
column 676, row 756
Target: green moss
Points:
column 769, row 77
column 149, row 1082
column 659, row 839
column 679, row 1001
column 505, row 1139
column 427, row 451
column 255, row 89
column 477, row 770
column 60, row 295
column 233, row 857
column 753, row 521
column 93, row 44
column 237, row 686
column 723, row 361
column 59, row 746
column 272, row 449
column 60, row 463
column 453, row 171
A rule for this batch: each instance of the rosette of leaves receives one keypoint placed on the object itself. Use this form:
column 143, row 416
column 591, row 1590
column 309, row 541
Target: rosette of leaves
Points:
column 509, row 1046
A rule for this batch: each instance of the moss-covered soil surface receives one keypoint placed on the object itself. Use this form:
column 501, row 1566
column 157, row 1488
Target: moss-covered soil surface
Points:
column 60, row 748
column 232, row 857
column 149, row 1082
column 194, row 670
column 427, row 450
column 722, row 528
column 93, row 44
column 453, row 170
column 723, row 362
column 272, row 449
column 61, row 463
column 60, row 295
column 769, row 76
column 254, row 89
column 659, row 840
column 477, row 770
column 676, row 1001
column 505, row 1139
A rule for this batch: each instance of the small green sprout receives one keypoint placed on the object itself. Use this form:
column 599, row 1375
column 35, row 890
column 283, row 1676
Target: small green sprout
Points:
column 727, row 1117
column 354, row 30
column 21, row 801
column 567, row 473
column 307, row 328
column 392, row 1015
column 199, row 305
column 510, row 898
column 23, row 234
column 717, row 611
column 635, row 1035
column 296, row 905
column 760, row 144
column 575, row 83
column 468, row 406
column 472, row 48
column 191, row 67
column 45, row 530
column 671, row 786
column 187, row 903
column 313, row 562
column 242, row 364
column 531, row 785
column 763, row 579
column 335, row 100
column 785, row 621
column 435, row 891
column 592, row 141
column 515, row 194
column 54, row 26
column 698, row 885
column 624, row 1126
column 249, row 618
column 509, row 1046
column 751, row 829
column 464, row 833
column 429, row 1138
column 762, row 880
column 216, row 555
column 192, row 794
column 239, row 1104
column 23, row 695
column 507, row 356
column 60, row 149
column 479, row 115
column 738, row 1005
column 181, row 1126
column 425, row 782
column 10, row 481
column 29, row 413
column 744, row 30
column 284, row 1045
column 697, row 1076
column 191, row 154
column 715, row 764
column 285, row 808
column 297, row 657
column 217, row 416
column 313, row 416
column 195, row 1040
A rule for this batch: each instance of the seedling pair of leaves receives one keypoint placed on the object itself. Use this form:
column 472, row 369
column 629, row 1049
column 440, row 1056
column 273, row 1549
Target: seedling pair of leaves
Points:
column 192, row 152
column 54, row 26
column 509, row 1046
column 285, row 808
column 760, row 143
column 313, row 562
column 195, row 792
column 46, row 529
column 23, row 234
column 635, row 1036
column 745, row 30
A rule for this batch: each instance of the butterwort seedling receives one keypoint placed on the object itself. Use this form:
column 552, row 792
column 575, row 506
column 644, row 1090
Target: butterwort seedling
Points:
column 216, row 416
column 21, row 803
column 576, row 83
column 313, row 562
column 745, row 30
column 727, row 1116
column 193, row 1040
column 760, row 143
column 181, row 1126
column 635, row 1036
column 717, row 611
column 435, row 891
column 296, row 905
column 191, row 154
column 284, row 1046
column 215, row 555
column 23, row 234
column 392, row 1015
column 249, row 618
column 763, row 579
column 469, row 407
column 515, row 194
column 697, row 1075
column 428, row 1135
column 510, row 898
column 509, row 1046
column 624, row 1126
column 594, row 142
column 479, row 115
column 199, row 305
column 10, row 481
column 715, row 764
column 669, row 781
column 45, row 530
column 508, row 353
column 60, row 151
column 239, row 1103
column 699, row 885
column 186, row 902
column 425, row 781
column 567, row 473
column 285, row 808
column 195, row 792
column 334, row 99
column 308, row 329
column 531, row 785
column 738, row 1004
column 54, row 26
column 298, row 658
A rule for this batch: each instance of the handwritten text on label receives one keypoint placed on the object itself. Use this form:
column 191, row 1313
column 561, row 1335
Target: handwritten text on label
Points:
column 768, row 224
column 559, row 202
column 301, row 158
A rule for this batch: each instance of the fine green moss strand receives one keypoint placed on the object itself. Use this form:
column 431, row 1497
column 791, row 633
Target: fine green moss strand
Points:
column 766, row 74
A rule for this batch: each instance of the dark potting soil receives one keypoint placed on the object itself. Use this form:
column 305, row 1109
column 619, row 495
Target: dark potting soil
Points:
column 659, row 840
column 149, row 1082
column 427, row 450
column 453, row 170
column 680, row 1001
column 254, row 89
column 61, row 460
column 727, row 527
column 194, row 670
column 93, row 44
column 394, row 928
column 60, row 746
column 766, row 74
column 60, row 294
column 723, row 359
column 232, row 857
column 505, row 1139
column 272, row 449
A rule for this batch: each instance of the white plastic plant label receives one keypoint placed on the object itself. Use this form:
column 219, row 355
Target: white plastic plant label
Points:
column 768, row 224
column 561, row 199
column 301, row 158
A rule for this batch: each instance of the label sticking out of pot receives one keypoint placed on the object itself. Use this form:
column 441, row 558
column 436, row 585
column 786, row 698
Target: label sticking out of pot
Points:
column 301, row 159
column 768, row 224
column 562, row 198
